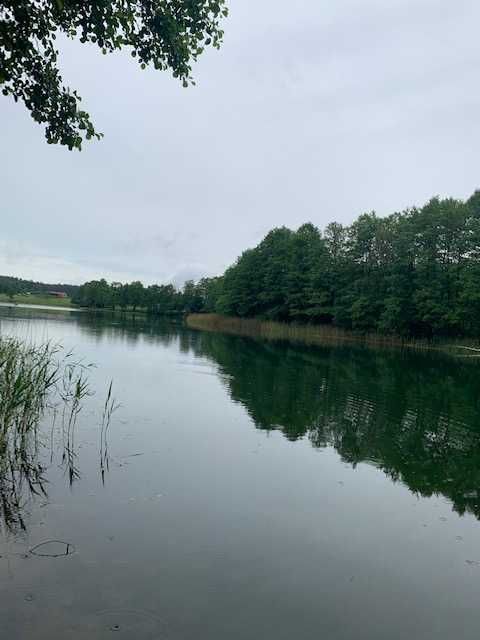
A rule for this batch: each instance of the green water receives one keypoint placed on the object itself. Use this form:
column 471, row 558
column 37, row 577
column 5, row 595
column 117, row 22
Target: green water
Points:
column 253, row 490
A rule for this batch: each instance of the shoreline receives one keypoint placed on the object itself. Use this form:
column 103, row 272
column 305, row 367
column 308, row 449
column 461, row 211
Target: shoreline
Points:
column 36, row 299
column 323, row 334
column 37, row 305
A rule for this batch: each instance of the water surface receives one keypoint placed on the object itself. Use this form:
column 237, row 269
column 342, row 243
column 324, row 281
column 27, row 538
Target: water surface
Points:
column 254, row 490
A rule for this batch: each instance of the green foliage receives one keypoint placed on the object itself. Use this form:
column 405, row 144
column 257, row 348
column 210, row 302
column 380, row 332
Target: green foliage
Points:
column 209, row 290
column 415, row 273
column 192, row 301
column 166, row 34
column 156, row 299
column 97, row 293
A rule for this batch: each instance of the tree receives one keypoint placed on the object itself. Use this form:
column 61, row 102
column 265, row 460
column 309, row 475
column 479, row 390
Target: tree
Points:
column 167, row 34
column 96, row 294
column 191, row 297
column 11, row 291
column 242, row 286
column 307, row 293
column 272, row 273
column 209, row 290
column 135, row 294
column 161, row 299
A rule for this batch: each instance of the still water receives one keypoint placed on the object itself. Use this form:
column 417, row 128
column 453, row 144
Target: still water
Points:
column 254, row 490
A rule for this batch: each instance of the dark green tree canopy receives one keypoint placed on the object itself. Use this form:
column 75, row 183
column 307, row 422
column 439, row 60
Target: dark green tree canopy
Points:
column 167, row 34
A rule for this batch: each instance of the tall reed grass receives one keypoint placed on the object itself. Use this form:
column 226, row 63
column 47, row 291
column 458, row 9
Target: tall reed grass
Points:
column 109, row 408
column 314, row 334
column 34, row 379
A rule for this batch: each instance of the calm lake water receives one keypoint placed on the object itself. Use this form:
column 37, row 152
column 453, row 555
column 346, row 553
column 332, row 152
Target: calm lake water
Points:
column 254, row 490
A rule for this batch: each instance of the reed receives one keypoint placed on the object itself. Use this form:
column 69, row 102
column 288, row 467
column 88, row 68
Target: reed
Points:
column 313, row 334
column 34, row 380
column 109, row 408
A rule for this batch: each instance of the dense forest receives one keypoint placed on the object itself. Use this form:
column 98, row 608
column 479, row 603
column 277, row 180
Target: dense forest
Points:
column 414, row 273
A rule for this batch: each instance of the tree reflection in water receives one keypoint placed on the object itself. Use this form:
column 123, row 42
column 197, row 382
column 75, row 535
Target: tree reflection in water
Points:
column 414, row 415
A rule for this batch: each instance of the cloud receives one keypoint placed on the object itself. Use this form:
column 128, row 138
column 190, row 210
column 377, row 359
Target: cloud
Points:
column 309, row 111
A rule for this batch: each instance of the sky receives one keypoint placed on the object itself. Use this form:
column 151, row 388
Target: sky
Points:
column 312, row 111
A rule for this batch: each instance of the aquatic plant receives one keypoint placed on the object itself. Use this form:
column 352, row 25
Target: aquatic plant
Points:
column 318, row 334
column 34, row 380
column 108, row 409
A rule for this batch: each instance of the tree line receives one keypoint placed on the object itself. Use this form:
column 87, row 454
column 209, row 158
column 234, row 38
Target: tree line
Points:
column 413, row 273
column 164, row 299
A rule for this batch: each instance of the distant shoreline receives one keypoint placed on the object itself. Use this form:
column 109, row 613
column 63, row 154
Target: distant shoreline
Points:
column 37, row 305
column 36, row 299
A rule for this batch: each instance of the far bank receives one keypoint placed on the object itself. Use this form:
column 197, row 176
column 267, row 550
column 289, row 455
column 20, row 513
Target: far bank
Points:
column 37, row 299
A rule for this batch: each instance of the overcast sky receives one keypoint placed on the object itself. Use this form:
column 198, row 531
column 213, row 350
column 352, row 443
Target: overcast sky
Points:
column 311, row 111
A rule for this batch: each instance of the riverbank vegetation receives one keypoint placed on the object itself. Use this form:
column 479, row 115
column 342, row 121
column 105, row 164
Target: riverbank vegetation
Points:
column 323, row 334
column 412, row 274
column 293, row 332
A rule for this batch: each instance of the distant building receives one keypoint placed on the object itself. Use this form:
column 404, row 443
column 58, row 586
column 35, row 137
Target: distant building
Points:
column 57, row 294
column 116, row 285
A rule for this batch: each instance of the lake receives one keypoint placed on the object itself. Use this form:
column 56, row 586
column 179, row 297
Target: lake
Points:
column 249, row 490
